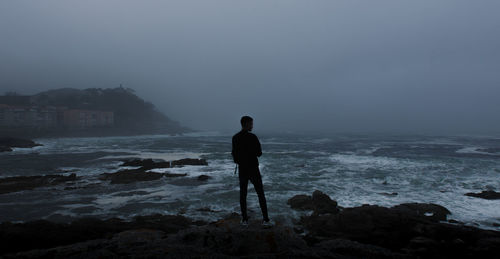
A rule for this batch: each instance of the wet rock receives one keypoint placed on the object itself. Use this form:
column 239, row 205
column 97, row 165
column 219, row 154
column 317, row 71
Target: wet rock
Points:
column 301, row 202
column 134, row 175
column 189, row 161
column 389, row 194
column 206, row 209
column 6, row 143
column 428, row 211
column 323, row 204
column 490, row 150
column 146, row 164
column 488, row 195
column 203, row 177
column 5, row 149
column 20, row 183
column 319, row 202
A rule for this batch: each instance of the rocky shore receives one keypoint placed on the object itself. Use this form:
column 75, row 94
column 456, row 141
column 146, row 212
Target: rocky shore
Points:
column 411, row 230
column 7, row 143
column 325, row 230
column 122, row 176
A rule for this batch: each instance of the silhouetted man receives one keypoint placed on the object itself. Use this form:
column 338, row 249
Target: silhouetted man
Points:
column 246, row 149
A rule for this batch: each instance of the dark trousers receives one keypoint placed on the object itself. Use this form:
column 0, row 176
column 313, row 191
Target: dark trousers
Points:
column 252, row 174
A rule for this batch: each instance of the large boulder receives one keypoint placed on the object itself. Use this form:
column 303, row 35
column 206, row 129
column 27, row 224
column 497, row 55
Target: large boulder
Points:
column 301, row 202
column 323, row 204
column 319, row 203
column 488, row 195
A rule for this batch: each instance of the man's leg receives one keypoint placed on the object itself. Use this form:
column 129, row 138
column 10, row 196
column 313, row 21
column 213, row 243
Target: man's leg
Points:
column 243, row 176
column 259, row 188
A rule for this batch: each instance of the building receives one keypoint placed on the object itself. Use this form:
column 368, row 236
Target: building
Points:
column 86, row 119
column 28, row 116
column 21, row 100
column 24, row 112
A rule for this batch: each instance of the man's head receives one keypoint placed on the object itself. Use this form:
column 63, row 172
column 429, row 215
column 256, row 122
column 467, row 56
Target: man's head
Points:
column 246, row 123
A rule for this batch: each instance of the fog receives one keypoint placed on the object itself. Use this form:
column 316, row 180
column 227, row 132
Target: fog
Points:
column 340, row 66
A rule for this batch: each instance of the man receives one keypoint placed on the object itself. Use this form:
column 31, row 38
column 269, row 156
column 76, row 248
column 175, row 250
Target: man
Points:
column 246, row 149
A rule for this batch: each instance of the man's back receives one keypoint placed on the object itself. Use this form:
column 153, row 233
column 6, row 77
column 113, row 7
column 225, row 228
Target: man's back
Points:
column 246, row 149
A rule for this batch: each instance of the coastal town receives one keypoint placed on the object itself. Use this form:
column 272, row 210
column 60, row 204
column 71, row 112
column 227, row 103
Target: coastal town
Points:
column 24, row 112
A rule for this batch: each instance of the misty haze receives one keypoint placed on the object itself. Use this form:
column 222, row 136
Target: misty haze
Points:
column 118, row 116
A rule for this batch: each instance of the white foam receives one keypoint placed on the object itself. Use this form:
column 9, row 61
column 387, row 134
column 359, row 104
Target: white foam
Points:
column 166, row 156
column 472, row 150
column 363, row 162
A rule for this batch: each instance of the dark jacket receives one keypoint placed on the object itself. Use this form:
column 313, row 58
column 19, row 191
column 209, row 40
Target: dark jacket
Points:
column 246, row 149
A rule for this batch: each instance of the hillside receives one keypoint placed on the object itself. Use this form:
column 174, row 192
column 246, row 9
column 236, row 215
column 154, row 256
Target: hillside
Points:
column 132, row 115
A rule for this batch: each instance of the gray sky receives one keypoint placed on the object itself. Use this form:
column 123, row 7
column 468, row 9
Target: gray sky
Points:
column 388, row 66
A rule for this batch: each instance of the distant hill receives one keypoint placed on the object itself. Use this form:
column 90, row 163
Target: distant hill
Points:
column 132, row 115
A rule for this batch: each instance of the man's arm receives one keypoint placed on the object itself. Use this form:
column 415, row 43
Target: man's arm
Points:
column 258, row 147
column 233, row 152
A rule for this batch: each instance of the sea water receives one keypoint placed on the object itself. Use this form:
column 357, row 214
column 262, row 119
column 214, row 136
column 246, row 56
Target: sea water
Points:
column 352, row 169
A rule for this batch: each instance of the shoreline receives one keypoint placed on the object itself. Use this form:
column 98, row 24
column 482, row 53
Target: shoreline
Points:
column 403, row 231
column 139, row 170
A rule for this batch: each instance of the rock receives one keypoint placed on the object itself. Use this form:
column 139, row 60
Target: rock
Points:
column 5, row 149
column 323, row 204
column 361, row 232
column 222, row 239
column 320, row 203
column 352, row 249
column 488, row 195
column 20, row 183
column 420, row 242
column 206, row 209
column 490, row 150
column 17, row 142
column 189, row 161
column 388, row 193
column 301, row 202
column 429, row 211
column 45, row 234
column 135, row 175
column 203, row 177
column 413, row 229
column 146, row 164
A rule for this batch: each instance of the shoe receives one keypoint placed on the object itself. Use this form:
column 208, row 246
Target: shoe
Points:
column 244, row 223
column 267, row 224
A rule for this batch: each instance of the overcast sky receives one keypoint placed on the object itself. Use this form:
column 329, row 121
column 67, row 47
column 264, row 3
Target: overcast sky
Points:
column 386, row 66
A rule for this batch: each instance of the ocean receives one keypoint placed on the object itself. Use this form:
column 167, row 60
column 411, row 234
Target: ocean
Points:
column 383, row 170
